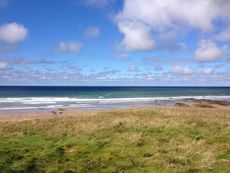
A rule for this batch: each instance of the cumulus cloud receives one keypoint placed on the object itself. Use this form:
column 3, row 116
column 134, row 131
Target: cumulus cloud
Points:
column 92, row 31
column 69, row 76
column 182, row 70
column 140, row 20
column 165, row 14
column 208, row 51
column 69, row 46
column 3, row 65
column 209, row 70
column 13, row 32
column 137, row 36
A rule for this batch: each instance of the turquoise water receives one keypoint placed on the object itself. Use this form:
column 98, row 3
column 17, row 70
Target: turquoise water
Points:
column 24, row 98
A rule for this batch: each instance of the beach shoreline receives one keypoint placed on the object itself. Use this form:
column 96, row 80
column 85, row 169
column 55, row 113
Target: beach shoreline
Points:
column 190, row 103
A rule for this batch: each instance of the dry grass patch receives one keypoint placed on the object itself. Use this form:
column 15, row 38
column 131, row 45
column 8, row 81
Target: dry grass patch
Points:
column 175, row 139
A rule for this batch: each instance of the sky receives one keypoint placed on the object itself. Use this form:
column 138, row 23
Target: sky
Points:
column 115, row 42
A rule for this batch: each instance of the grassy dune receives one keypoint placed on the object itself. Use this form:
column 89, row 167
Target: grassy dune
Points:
column 135, row 140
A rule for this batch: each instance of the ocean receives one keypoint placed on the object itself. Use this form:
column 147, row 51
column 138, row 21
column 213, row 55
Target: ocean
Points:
column 24, row 98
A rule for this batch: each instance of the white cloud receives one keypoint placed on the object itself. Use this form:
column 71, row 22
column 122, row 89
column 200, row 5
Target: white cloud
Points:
column 182, row 70
column 70, row 46
column 92, row 31
column 13, row 32
column 139, row 20
column 209, row 70
column 224, row 35
column 168, row 13
column 208, row 51
column 137, row 36
column 3, row 65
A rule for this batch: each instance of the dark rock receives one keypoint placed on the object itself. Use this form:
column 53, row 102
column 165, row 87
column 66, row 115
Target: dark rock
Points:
column 61, row 109
column 54, row 112
column 204, row 106
column 182, row 105
column 208, row 101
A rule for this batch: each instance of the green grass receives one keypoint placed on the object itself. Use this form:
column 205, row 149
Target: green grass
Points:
column 164, row 140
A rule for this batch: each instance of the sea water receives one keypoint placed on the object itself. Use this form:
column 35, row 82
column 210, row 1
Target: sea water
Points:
column 52, row 97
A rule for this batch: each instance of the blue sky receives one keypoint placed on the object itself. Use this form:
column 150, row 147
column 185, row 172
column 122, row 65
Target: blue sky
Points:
column 116, row 42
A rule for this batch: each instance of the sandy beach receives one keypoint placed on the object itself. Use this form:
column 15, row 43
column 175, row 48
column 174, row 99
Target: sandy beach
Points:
column 61, row 112
column 25, row 116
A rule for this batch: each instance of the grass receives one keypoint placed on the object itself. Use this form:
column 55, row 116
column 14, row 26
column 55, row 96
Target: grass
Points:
column 157, row 140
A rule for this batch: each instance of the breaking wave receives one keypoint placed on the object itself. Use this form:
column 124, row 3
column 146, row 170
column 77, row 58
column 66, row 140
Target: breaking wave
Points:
column 71, row 102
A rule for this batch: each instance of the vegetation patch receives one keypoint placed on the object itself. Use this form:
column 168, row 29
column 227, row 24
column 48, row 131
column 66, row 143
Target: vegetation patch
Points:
column 178, row 139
